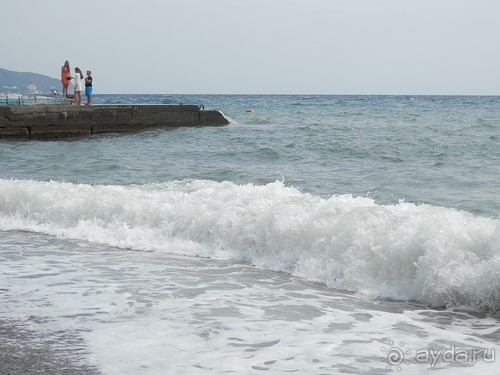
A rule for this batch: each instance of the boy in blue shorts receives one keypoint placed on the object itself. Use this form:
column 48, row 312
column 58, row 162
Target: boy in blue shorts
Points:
column 88, row 87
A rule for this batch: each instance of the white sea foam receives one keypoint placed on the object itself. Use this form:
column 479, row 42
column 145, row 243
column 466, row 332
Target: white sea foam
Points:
column 440, row 256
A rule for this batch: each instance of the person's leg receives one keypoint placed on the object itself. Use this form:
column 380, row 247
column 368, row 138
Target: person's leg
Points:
column 88, row 94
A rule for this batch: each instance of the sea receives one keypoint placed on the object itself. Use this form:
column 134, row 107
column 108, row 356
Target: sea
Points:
column 314, row 234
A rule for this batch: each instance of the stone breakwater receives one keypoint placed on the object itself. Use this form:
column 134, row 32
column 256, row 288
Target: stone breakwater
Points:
column 62, row 121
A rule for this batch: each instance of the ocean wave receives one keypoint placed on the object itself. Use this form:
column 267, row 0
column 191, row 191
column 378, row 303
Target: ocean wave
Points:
column 438, row 256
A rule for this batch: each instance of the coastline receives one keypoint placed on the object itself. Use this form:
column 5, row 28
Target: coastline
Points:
column 28, row 352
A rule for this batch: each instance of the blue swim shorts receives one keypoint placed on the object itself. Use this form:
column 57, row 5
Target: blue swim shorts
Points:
column 88, row 91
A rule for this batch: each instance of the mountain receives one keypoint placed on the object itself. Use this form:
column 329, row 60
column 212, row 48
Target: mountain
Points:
column 25, row 82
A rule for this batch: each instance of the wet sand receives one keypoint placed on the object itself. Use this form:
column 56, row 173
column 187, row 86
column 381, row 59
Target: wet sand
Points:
column 26, row 352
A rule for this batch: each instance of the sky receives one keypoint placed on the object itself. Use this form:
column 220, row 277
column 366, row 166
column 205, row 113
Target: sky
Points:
column 379, row 47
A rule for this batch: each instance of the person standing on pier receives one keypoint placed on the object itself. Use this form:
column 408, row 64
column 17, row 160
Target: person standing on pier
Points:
column 88, row 87
column 78, row 86
column 65, row 78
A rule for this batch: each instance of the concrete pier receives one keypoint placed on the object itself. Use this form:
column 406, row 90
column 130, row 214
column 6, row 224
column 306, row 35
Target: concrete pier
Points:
column 60, row 121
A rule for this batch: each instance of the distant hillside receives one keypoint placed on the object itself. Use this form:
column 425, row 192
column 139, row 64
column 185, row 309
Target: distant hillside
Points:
column 25, row 82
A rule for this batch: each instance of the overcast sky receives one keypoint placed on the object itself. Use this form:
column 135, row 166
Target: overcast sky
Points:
column 260, row 46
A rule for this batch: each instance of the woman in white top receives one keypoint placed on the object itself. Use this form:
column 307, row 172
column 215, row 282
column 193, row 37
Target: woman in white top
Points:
column 78, row 82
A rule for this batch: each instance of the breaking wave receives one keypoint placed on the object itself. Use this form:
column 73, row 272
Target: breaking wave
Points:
column 438, row 256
